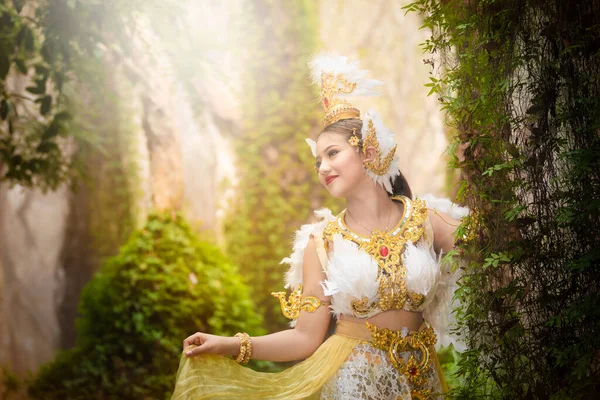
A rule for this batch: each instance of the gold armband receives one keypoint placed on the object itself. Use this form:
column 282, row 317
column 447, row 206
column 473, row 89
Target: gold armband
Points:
column 292, row 307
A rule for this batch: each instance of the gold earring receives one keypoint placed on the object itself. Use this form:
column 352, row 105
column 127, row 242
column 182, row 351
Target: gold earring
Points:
column 354, row 140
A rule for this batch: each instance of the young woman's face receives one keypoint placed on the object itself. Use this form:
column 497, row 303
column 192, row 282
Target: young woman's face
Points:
column 338, row 164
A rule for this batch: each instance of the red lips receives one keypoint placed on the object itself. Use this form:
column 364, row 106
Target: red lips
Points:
column 330, row 178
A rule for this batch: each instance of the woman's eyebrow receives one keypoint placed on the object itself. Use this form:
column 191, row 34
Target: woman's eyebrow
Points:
column 327, row 148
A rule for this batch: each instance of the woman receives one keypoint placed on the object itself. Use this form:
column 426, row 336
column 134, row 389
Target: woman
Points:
column 375, row 267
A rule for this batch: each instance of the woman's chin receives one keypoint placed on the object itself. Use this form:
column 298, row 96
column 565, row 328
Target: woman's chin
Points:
column 336, row 192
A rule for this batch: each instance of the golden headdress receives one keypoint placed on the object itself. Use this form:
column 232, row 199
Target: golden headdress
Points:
column 338, row 80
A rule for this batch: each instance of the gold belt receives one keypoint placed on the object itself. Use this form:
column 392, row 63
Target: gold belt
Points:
column 394, row 343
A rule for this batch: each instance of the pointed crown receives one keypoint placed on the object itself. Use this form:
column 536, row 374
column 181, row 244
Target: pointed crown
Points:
column 339, row 79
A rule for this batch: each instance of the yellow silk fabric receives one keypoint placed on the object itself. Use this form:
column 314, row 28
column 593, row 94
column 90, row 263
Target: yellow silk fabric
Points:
column 210, row 376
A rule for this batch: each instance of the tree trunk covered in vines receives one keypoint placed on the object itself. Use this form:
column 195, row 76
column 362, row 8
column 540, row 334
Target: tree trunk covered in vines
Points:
column 521, row 82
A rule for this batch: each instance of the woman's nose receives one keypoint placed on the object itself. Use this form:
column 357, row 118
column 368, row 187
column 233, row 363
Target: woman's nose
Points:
column 324, row 169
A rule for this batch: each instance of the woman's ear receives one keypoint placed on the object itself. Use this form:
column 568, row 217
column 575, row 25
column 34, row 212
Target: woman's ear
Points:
column 370, row 154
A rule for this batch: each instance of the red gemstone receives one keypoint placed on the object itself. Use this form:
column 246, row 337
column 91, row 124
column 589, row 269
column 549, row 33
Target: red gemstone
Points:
column 326, row 102
column 412, row 370
column 383, row 250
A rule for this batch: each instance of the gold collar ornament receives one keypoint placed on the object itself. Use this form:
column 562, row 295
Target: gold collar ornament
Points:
column 339, row 79
column 386, row 248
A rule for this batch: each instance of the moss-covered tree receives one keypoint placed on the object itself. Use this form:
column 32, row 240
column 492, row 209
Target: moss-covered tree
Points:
column 277, row 188
column 520, row 81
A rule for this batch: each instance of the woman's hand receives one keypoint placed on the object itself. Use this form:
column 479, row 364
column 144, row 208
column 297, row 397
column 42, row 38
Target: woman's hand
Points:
column 211, row 344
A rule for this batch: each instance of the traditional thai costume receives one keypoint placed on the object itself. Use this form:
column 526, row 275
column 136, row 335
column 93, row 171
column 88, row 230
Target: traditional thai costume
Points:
column 393, row 270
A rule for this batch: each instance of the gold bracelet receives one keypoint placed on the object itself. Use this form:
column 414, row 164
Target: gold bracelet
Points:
column 245, row 348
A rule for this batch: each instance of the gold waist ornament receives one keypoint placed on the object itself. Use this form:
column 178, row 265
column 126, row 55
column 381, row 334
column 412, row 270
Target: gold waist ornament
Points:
column 394, row 342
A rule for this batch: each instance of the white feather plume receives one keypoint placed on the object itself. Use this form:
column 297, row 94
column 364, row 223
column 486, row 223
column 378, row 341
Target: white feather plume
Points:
column 348, row 70
column 313, row 146
column 387, row 141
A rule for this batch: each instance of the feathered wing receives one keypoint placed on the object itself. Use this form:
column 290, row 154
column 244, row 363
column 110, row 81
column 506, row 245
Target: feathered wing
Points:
column 440, row 310
column 293, row 277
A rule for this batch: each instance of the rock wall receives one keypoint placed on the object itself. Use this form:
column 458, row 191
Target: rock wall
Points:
column 32, row 226
column 51, row 244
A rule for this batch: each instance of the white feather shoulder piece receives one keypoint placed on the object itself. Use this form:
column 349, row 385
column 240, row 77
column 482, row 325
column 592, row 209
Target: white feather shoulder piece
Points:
column 293, row 276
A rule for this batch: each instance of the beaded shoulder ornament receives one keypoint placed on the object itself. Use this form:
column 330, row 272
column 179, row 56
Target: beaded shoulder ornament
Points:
column 338, row 80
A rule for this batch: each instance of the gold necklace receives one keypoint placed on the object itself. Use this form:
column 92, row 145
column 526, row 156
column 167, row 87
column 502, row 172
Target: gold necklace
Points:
column 371, row 230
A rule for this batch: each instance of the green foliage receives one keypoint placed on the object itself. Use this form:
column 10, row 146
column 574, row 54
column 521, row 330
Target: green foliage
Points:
column 520, row 82
column 42, row 45
column 278, row 188
column 40, row 41
column 164, row 285
column 10, row 384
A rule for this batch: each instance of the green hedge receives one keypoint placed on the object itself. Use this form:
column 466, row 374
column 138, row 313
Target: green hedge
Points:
column 164, row 285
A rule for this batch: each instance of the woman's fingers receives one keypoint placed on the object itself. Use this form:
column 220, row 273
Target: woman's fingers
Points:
column 195, row 351
column 196, row 338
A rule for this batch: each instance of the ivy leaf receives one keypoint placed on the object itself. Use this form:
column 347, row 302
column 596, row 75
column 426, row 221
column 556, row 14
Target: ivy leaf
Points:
column 35, row 90
column 46, row 147
column 21, row 65
column 4, row 109
column 52, row 130
column 41, row 69
column 4, row 64
column 62, row 116
column 28, row 39
column 18, row 5
column 45, row 104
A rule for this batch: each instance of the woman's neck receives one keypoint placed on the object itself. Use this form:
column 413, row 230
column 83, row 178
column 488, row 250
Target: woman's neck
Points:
column 371, row 209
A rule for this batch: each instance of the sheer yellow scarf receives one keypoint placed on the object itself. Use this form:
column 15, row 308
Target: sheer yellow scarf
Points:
column 216, row 377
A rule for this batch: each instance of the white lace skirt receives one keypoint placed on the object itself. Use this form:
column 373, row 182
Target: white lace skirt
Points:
column 368, row 373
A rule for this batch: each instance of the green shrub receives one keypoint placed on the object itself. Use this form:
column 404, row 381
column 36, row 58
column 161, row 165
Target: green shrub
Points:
column 164, row 285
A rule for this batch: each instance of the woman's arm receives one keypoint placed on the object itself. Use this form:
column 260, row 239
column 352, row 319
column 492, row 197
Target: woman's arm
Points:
column 443, row 227
column 289, row 345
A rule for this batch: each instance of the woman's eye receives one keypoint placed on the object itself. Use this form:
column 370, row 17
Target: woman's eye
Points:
column 332, row 153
